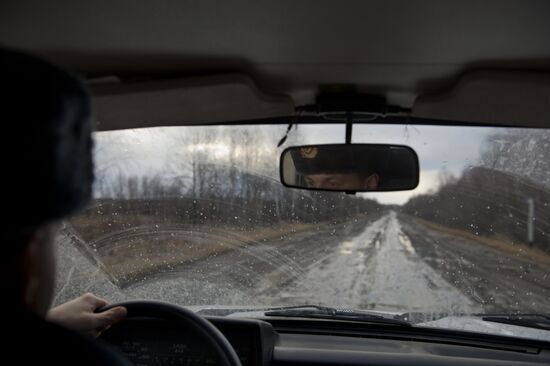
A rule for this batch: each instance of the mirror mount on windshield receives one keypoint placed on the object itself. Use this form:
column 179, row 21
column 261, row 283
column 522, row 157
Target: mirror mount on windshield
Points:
column 349, row 131
column 350, row 167
column 349, row 126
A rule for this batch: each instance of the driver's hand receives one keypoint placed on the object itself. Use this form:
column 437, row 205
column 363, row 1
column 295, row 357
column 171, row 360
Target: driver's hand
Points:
column 78, row 314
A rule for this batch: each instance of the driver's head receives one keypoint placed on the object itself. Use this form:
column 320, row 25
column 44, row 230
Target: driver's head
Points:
column 337, row 167
column 47, row 171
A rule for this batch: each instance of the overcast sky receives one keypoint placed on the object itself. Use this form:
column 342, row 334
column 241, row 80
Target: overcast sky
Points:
column 152, row 151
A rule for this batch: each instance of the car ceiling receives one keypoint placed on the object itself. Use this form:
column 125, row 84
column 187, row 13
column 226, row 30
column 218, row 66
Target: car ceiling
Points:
column 287, row 46
column 401, row 49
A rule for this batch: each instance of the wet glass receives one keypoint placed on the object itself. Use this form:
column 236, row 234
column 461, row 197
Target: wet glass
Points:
column 197, row 216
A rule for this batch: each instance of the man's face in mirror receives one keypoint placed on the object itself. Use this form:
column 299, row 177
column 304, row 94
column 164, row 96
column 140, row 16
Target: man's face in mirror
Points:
column 342, row 181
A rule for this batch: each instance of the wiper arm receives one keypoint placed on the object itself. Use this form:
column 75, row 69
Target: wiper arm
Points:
column 228, row 311
column 312, row 311
column 321, row 312
column 539, row 321
column 536, row 321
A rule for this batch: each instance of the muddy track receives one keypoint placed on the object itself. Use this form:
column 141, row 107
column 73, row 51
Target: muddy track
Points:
column 393, row 262
column 497, row 281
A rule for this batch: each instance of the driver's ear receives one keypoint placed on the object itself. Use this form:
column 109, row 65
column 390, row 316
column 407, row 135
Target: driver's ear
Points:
column 372, row 181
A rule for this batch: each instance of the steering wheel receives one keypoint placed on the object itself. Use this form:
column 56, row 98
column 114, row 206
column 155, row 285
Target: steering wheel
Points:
column 187, row 318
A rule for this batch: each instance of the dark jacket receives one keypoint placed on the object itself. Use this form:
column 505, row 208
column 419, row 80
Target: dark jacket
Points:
column 29, row 339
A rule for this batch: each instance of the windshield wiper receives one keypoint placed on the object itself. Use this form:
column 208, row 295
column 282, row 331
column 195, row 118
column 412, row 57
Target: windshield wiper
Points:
column 311, row 311
column 322, row 312
column 536, row 321
column 228, row 311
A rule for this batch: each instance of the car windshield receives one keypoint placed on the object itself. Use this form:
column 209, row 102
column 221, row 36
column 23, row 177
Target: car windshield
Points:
column 197, row 216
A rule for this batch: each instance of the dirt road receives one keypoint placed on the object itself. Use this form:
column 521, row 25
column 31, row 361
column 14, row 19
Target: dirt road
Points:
column 392, row 263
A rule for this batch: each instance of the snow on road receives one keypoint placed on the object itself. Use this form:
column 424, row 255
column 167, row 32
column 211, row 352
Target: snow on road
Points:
column 378, row 269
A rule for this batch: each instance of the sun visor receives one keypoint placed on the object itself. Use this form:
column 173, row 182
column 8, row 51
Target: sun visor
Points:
column 506, row 98
column 198, row 100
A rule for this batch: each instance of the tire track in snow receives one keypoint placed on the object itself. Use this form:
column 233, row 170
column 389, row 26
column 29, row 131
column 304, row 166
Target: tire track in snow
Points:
column 252, row 275
column 378, row 269
column 500, row 282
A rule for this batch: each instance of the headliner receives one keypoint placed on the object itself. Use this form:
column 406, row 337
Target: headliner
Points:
column 389, row 47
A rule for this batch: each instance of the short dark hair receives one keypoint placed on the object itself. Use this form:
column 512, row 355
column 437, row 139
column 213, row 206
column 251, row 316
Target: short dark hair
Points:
column 47, row 148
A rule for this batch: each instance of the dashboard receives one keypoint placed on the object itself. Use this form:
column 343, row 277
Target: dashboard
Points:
column 149, row 341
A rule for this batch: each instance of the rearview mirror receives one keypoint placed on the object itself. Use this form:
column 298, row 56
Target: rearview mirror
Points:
column 350, row 167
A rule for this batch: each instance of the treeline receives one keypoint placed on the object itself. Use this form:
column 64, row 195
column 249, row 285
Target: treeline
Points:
column 209, row 176
column 488, row 202
column 225, row 196
column 522, row 152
